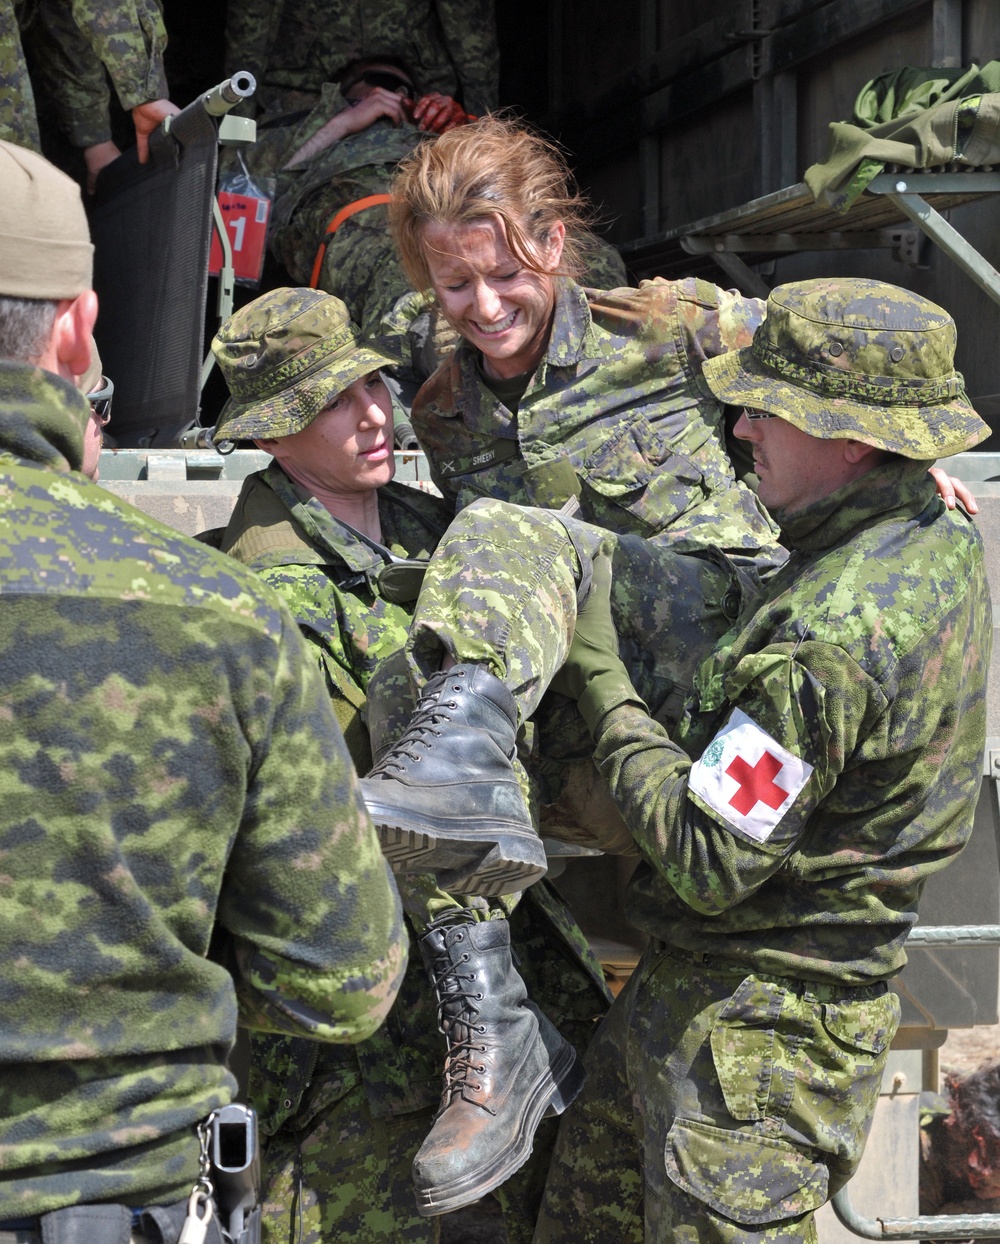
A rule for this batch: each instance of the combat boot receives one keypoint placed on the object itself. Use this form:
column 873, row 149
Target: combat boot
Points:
column 445, row 798
column 507, row 1067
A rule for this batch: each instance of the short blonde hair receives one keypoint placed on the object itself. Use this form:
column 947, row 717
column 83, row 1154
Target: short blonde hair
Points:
column 495, row 167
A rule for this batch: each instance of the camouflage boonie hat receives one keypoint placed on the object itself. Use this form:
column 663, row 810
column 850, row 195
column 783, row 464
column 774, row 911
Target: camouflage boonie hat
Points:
column 285, row 356
column 855, row 359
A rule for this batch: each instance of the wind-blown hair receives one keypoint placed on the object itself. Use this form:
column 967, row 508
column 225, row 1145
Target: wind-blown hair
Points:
column 492, row 168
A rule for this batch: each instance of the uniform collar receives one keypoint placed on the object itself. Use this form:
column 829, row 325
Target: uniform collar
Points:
column 319, row 525
column 43, row 417
column 900, row 488
column 571, row 338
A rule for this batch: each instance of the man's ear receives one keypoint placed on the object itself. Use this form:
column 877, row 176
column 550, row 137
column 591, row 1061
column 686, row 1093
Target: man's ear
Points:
column 266, row 443
column 72, row 334
column 855, row 452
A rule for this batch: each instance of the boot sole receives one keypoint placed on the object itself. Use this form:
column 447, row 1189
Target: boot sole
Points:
column 552, row 1094
column 503, row 860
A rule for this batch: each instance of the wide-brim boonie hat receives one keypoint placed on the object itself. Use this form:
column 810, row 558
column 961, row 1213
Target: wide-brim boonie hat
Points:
column 857, row 359
column 285, row 356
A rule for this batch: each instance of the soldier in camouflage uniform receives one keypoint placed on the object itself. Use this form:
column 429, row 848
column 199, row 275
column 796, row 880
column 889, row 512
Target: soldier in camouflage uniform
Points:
column 71, row 46
column 294, row 48
column 826, row 763
column 343, row 150
column 344, row 1126
column 184, row 844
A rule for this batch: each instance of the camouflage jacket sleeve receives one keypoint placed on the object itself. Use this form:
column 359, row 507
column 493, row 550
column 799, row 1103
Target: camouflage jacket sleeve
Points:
column 724, row 321
column 830, row 755
column 470, row 32
column 69, row 73
column 18, row 122
column 315, row 920
column 129, row 37
column 709, row 864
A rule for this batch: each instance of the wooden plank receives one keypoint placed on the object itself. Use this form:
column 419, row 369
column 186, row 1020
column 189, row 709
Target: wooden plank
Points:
column 946, row 34
column 824, row 28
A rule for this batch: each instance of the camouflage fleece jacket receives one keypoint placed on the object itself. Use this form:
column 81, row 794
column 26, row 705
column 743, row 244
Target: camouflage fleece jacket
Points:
column 617, row 409
column 182, row 839
column 829, row 758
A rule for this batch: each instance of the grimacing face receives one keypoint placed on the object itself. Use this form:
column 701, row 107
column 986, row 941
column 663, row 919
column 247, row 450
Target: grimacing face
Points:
column 501, row 307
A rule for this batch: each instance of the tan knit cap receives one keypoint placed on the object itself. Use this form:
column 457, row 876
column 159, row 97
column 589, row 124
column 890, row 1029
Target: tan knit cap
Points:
column 45, row 248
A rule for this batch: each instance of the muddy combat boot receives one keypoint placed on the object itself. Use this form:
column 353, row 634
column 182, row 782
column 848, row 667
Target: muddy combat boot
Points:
column 445, row 797
column 506, row 1069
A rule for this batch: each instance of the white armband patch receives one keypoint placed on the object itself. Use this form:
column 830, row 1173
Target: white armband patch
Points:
column 748, row 778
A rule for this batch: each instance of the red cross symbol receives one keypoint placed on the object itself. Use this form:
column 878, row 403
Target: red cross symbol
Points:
column 756, row 784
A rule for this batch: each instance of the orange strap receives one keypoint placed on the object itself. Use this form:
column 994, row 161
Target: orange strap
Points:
column 345, row 213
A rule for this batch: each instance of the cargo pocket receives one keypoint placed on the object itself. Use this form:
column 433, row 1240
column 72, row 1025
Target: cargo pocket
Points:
column 749, row 1178
column 743, row 1051
column 866, row 1025
column 635, row 471
column 843, row 1081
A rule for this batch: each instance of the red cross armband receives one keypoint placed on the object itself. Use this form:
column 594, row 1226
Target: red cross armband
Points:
column 747, row 779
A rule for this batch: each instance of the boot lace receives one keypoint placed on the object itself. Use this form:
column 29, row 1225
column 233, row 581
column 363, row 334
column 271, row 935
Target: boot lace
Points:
column 457, row 1013
column 431, row 711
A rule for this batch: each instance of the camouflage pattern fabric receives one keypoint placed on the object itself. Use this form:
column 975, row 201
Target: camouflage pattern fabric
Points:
column 71, row 83
column 860, row 667
column 341, row 1151
column 129, row 38
column 71, row 45
column 861, row 671
column 293, row 48
column 18, row 120
column 839, row 677
column 616, row 411
column 183, row 838
column 344, row 1125
column 529, row 567
column 855, row 359
column 720, row 1104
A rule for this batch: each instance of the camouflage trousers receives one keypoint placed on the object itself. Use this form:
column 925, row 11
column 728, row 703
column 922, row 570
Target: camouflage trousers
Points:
column 719, row 1106
column 501, row 590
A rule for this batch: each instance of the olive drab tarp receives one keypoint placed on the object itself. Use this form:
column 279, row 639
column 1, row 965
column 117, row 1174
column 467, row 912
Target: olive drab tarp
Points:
column 914, row 117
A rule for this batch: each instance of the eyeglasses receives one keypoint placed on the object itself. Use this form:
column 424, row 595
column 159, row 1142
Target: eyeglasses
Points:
column 100, row 401
column 757, row 414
